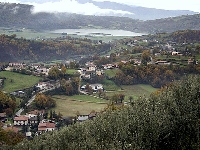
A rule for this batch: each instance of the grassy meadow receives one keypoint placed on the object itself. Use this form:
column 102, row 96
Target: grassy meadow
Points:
column 16, row 81
column 83, row 104
column 133, row 90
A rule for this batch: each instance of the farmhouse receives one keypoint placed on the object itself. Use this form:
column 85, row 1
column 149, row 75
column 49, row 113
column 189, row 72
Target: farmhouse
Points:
column 176, row 53
column 17, row 65
column 81, row 118
column 20, row 121
column 2, row 116
column 45, row 127
column 95, row 87
column 35, row 120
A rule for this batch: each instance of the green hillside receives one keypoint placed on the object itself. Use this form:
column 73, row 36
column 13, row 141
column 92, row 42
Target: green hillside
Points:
column 16, row 81
column 169, row 119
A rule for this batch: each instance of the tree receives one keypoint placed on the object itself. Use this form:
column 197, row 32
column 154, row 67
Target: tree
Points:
column 54, row 73
column 75, row 82
column 43, row 101
column 63, row 70
column 7, row 104
column 145, row 58
column 130, row 99
column 69, row 89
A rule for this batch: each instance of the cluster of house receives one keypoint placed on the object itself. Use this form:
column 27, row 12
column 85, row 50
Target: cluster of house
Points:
column 30, row 119
column 48, row 85
column 38, row 68
column 91, row 69
column 35, row 118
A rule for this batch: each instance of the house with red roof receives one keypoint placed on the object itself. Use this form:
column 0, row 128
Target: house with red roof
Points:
column 45, row 127
column 20, row 121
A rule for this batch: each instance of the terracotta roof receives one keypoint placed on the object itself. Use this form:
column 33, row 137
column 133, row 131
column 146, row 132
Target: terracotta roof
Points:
column 46, row 125
column 42, row 129
column 21, row 118
column 2, row 114
column 35, row 112
column 93, row 114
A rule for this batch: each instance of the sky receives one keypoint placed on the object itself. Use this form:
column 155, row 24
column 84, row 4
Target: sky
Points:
column 193, row 5
column 73, row 6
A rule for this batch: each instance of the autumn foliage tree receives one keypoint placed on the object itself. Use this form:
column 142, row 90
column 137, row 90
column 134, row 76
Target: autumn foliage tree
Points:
column 42, row 101
column 9, row 138
column 7, row 104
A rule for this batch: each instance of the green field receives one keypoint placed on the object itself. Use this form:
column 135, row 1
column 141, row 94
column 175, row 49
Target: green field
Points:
column 110, row 85
column 71, row 71
column 84, row 104
column 16, row 81
column 133, row 90
column 111, row 72
column 70, row 105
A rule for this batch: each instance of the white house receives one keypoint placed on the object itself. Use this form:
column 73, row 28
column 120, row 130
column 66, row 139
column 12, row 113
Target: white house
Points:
column 21, row 120
column 96, row 87
column 176, row 53
column 82, row 118
column 45, row 127
column 42, row 85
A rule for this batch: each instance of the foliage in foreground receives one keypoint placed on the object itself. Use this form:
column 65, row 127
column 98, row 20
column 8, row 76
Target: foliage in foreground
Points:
column 169, row 119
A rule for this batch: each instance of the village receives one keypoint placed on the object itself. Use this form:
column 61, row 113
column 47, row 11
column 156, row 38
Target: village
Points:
column 35, row 122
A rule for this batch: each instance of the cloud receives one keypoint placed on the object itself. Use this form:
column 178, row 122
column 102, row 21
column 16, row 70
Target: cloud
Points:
column 73, row 6
column 10, row 1
column 193, row 5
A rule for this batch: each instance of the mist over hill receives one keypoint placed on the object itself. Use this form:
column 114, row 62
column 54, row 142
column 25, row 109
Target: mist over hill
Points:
column 105, row 8
column 22, row 16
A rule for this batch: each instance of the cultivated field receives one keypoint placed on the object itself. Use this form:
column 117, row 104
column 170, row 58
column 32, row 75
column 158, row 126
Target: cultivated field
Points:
column 16, row 81
column 83, row 104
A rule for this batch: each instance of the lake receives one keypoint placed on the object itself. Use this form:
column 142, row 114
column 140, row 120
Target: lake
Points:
column 96, row 32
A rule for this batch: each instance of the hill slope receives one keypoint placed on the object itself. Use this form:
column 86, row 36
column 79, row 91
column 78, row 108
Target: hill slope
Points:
column 167, row 120
column 19, row 15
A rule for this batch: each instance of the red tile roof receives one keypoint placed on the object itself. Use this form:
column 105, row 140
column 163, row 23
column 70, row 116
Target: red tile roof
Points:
column 21, row 118
column 46, row 125
column 35, row 112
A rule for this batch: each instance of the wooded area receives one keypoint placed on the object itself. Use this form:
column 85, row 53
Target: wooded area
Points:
column 169, row 119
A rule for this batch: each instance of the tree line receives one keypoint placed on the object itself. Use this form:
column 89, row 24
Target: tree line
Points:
column 13, row 48
column 155, row 75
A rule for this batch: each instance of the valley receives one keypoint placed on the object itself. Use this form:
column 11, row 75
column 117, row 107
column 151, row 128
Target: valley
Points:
column 129, row 80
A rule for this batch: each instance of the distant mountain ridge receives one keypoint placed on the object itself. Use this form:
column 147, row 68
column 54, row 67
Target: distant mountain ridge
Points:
column 136, row 12
column 20, row 15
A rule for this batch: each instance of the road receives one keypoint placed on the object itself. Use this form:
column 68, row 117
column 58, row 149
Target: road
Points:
column 18, row 113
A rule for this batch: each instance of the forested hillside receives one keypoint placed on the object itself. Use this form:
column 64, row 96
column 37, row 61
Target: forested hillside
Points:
column 21, row 16
column 13, row 49
column 168, row 120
